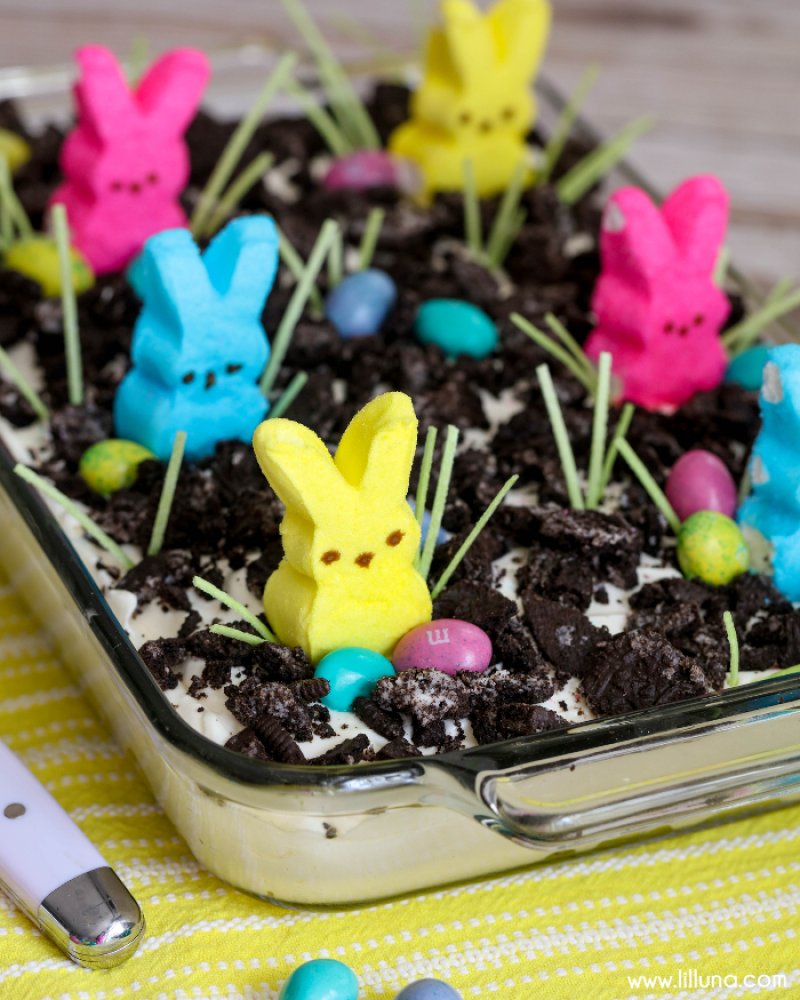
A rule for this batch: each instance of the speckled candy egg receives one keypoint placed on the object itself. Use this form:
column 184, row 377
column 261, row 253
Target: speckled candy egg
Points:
column 352, row 672
column 701, row 481
column 112, row 465
column 446, row 644
column 321, row 979
column 361, row 170
column 457, row 327
column 428, row 989
column 37, row 258
column 712, row 548
column 358, row 305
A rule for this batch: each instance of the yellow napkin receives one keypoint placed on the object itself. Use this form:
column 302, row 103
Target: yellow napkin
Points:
column 722, row 903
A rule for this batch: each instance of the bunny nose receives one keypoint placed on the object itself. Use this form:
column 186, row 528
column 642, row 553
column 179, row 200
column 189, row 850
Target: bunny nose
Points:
column 365, row 559
column 211, row 379
column 486, row 126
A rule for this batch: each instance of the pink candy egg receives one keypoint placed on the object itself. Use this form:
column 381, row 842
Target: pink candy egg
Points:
column 701, row 481
column 369, row 168
column 446, row 644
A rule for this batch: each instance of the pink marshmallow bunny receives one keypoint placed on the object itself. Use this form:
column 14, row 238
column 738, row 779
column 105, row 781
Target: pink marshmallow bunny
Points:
column 125, row 163
column 658, row 310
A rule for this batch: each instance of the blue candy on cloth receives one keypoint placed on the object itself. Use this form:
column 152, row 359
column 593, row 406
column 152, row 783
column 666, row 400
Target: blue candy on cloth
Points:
column 428, row 989
column 358, row 305
column 773, row 508
column 198, row 345
column 321, row 979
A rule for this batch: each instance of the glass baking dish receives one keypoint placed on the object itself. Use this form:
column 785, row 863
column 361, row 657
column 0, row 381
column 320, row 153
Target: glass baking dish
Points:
column 339, row 835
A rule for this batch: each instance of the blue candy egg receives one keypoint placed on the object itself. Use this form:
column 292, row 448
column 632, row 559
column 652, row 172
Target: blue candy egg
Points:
column 457, row 327
column 358, row 305
column 442, row 535
column 352, row 672
column 428, row 989
column 747, row 368
column 321, row 979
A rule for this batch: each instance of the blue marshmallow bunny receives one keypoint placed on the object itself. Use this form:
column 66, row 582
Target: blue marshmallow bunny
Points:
column 198, row 345
column 773, row 508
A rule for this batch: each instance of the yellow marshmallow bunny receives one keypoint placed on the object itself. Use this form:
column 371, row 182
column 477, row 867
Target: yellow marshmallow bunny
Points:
column 349, row 536
column 475, row 102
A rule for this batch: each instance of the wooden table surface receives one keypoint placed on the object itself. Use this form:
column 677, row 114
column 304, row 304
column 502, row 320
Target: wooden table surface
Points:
column 721, row 77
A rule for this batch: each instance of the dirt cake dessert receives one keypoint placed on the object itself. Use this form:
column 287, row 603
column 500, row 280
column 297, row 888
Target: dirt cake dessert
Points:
column 347, row 627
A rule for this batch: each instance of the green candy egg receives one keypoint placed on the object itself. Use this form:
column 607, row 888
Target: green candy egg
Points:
column 112, row 465
column 37, row 258
column 712, row 548
column 14, row 149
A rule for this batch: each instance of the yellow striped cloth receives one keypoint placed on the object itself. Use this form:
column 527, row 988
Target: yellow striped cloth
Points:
column 710, row 914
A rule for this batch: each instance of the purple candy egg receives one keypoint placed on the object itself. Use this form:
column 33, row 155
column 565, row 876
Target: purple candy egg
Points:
column 446, row 644
column 365, row 168
column 701, row 481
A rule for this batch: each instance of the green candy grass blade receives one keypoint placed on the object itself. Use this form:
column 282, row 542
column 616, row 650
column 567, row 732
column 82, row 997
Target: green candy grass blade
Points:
column 593, row 167
column 167, row 494
column 741, row 336
column 335, row 139
column 336, row 260
column 294, row 310
column 230, row 602
column 566, row 121
column 239, row 187
column 565, row 452
column 506, row 216
column 733, row 642
column 554, row 349
column 18, row 217
column 290, row 394
column 469, row 541
column 571, row 344
column 88, row 525
column 369, row 241
column 421, row 499
column 439, row 500
column 472, row 212
column 69, row 306
column 236, row 633
column 649, row 485
column 295, row 264
column 238, row 142
column 24, row 387
column 620, row 431
column 599, row 431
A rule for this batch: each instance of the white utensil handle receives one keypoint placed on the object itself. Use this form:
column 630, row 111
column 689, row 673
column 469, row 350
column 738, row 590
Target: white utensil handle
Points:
column 41, row 848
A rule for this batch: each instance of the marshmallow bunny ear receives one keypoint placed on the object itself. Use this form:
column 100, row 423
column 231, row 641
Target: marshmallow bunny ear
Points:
column 170, row 277
column 467, row 41
column 520, row 28
column 377, row 449
column 635, row 242
column 242, row 261
column 102, row 95
column 169, row 92
column 299, row 468
column 697, row 215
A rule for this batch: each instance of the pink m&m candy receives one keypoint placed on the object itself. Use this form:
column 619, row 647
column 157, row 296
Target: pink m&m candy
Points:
column 701, row 481
column 446, row 644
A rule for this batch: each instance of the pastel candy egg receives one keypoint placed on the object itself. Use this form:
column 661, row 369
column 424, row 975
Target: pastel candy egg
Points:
column 14, row 149
column 747, row 368
column 321, row 979
column 37, row 258
column 446, row 644
column 112, row 465
column 457, row 327
column 712, row 548
column 441, row 537
column 358, row 305
column 701, row 481
column 352, row 672
column 428, row 989
column 363, row 169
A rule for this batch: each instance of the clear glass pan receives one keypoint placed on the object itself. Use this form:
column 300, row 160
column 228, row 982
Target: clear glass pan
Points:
column 342, row 835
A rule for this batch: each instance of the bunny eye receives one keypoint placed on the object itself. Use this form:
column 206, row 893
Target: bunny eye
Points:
column 698, row 320
column 331, row 556
column 188, row 377
column 507, row 114
column 232, row 369
column 395, row 538
column 116, row 185
column 669, row 326
column 364, row 559
column 135, row 187
column 486, row 126
column 211, row 380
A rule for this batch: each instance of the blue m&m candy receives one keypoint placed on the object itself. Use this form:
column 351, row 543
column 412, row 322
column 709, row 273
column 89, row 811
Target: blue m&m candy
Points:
column 352, row 672
column 321, row 979
column 358, row 305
